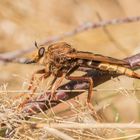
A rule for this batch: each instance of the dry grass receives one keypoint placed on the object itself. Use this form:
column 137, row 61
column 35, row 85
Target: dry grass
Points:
column 70, row 120
column 75, row 122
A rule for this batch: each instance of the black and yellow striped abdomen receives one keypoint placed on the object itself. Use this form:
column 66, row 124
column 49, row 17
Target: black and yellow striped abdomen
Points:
column 111, row 68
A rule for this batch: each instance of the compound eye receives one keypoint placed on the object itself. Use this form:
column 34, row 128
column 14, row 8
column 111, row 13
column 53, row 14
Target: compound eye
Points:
column 41, row 51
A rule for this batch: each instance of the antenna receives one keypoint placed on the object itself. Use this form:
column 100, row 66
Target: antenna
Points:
column 36, row 45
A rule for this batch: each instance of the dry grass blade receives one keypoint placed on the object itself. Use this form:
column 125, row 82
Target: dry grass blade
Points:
column 135, row 136
column 89, row 125
column 57, row 133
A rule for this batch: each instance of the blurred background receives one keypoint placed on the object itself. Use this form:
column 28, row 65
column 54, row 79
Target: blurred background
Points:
column 24, row 22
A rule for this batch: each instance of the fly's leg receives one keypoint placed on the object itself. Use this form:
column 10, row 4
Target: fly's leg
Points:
column 52, row 82
column 90, row 93
column 87, row 79
column 31, row 81
column 42, row 71
column 45, row 75
column 55, row 85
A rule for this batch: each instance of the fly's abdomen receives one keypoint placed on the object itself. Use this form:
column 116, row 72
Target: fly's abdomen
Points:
column 111, row 68
column 114, row 68
column 118, row 70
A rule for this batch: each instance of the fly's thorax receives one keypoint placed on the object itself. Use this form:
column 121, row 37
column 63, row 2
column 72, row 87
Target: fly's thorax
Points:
column 59, row 50
column 56, row 70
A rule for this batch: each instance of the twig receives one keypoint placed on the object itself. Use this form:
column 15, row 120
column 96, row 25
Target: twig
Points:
column 112, row 39
column 12, row 56
column 134, row 60
column 92, row 25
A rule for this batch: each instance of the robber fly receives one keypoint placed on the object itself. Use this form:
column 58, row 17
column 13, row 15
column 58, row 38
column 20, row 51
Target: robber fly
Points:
column 61, row 60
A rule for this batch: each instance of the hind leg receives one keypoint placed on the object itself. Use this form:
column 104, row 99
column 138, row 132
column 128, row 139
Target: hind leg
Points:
column 87, row 79
column 90, row 93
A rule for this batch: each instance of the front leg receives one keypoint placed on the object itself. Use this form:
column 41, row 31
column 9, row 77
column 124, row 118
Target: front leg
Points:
column 31, row 81
column 42, row 71
column 45, row 75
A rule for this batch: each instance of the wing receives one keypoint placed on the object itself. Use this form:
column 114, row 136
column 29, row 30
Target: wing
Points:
column 96, row 57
